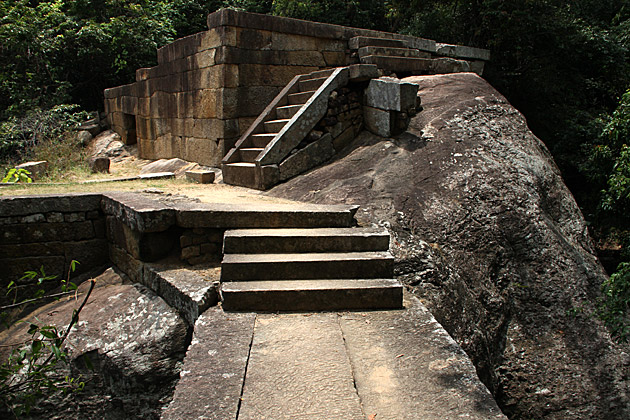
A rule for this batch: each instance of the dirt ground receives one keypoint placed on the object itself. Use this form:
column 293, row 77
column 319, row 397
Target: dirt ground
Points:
column 130, row 166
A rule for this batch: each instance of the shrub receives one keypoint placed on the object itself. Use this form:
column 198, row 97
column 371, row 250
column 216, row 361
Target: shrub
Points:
column 43, row 135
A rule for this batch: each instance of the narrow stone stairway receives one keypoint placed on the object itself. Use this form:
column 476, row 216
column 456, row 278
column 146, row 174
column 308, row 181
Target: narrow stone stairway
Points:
column 316, row 269
column 241, row 166
column 396, row 56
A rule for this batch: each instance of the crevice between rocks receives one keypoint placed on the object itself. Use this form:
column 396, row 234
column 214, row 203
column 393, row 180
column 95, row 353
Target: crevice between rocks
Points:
column 249, row 353
column 352, row 368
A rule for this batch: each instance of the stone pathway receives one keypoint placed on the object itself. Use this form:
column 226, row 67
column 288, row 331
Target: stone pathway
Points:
column 380, row 365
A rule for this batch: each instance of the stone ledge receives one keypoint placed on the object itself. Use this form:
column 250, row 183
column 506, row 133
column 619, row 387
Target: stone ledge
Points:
column 138, row 212
column 184, row 290
column 32, row 204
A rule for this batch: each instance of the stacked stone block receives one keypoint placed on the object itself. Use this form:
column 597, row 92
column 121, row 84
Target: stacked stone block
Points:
column 201, row 245
column 389, row 105
column 49, row 232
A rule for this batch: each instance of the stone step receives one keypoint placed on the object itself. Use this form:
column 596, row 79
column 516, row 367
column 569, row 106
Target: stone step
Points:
column 300, row 98
column 288, row 111
column 276, row 241
column 262, row 139
column 418, row 66
column 311, row 84
column 393, row 52
column 264, row 215
column 312, row 295
column 274, row 126
column 348, row 265
column 319, row 74
column 242, row 174
column 249, row 154
column 364, row 41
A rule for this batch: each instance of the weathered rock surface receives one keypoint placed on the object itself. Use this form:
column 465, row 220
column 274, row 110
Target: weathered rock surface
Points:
column 108, row 144
column 175, row 165
column 133, row 338
column 488, row 235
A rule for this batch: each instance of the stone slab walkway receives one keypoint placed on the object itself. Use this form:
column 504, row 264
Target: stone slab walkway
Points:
column 378, row 365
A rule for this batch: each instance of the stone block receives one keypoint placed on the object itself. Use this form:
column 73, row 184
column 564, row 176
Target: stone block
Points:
column 362, row 72
column 142, row 74
column 146, row 148
column 205, row 151
column 90, row 254
column 378, row 121
column 185, row 104
column 200, row 176
column 214, row 128
column 216, row 37
column 185, row 290
column 138, row 212
column 144, row 107
column 421, row 44
column 13, row 269
column 477, row 66
column 312, row 155
column 207, row 78
column 99, row 164
column 21, row 206
column 391, row 94
column 251, row 100
column 363, row 41
column 254, row 39
column 201, row 59
column 461, row 51
column 206, row 102
column 36, row 169
column 190, row 251
column 293, row 42
column 344, row 139
column 263, row 75
column 167, row 146
column 144, row 128
column 144, row 246
column 183, row 127
column 46, row 232
column 335, row 58
column 132, row 267
column 43, row 249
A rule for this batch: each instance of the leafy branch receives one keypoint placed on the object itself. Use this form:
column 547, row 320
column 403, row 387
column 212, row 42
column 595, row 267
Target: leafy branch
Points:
column 30, row 372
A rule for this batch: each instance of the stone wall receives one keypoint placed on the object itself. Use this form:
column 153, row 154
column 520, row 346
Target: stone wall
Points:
column 50, row 232
column 208, row 88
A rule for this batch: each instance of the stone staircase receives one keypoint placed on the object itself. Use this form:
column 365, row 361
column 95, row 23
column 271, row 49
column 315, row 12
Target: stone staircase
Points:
column 253, row 161
column 310, row 269
column 397, row 56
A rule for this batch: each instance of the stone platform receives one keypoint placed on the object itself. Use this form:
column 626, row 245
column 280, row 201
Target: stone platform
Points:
column 385, row 365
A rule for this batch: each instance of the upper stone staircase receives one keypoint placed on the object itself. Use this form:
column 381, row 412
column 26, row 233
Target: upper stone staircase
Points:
column 285, row 122
column 308, row 269
column 397, row 56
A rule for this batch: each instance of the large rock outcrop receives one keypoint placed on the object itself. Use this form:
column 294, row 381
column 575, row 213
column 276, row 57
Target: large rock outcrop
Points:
column 134, row 340
column 488, row 235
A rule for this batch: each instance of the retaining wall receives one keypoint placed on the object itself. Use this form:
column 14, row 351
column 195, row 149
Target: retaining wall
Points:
column 50, row 232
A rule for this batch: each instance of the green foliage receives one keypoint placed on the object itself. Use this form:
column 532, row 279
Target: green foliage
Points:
column 43, row 135
column 53, row 52
column 30, row 373
column 16, row 175
column 359, row 13
column 615, row 306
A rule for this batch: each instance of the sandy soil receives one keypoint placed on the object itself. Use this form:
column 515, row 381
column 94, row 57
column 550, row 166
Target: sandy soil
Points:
column 131, row 166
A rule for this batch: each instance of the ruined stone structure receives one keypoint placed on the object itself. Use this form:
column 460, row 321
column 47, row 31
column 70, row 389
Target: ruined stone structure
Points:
column 208, row 88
